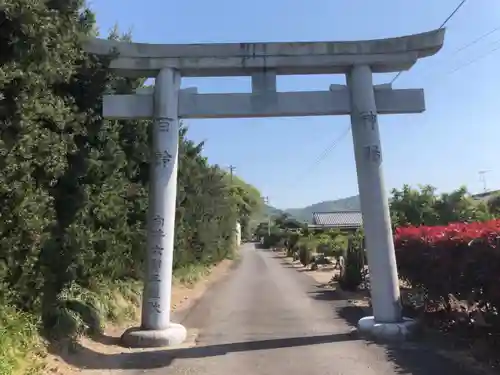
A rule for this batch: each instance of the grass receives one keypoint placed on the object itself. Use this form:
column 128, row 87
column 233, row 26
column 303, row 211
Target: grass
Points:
column 191, row 274
column 78, row 312
column 21, row 348
column 81, row 311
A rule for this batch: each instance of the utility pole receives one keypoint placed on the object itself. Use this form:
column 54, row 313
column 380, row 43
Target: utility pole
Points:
column 231, row 170
column 238, row 225
column 482, row 177
column 266, row 201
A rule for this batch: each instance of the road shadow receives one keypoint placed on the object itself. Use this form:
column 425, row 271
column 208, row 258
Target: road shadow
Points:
column 326, row 269
column 326, row 295
column 352, row 314
column 416, row 357
column 104, row 339
column 146, row 360
column 288, row 264
column 278, row 256
column 304, row 270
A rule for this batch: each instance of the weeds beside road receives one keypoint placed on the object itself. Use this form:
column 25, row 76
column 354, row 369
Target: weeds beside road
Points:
column 24, row 351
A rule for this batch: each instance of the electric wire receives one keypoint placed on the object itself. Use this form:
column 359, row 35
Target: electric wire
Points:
column 335, row 143
column 468, row 45
column 329, row 149
column 472, row 61
column 440, row 27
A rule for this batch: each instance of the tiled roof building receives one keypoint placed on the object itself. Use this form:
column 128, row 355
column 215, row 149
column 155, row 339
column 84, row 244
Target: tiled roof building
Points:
column 338, row 219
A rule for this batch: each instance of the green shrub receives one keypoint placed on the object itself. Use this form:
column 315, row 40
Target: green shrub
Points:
column 305, row 255
column 352, row 275
column 272, row 240
column 293, row 238
column 324, row 243
column 78, row 311
column 307, row 246
column 74, row 187
column 338, row 246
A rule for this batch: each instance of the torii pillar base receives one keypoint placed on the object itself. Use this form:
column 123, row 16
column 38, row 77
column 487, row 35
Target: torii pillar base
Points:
column 136, row 337
column 400, row 331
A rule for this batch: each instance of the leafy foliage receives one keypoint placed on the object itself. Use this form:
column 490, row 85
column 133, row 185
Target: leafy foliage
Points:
column 352, row 275
column 307, row 246
column 466, row 253
column 455, row 269
column 73, row 187
column 249, row 205
column 424, row 207
column 493, row 205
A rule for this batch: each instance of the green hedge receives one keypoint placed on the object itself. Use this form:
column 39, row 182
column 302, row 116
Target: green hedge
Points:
column 74, row 187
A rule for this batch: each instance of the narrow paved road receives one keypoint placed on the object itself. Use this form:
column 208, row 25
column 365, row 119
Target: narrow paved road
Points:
column 268, row 319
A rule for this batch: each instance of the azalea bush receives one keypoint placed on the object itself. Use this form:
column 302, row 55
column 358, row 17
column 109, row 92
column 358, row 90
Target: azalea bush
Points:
column 460, row 259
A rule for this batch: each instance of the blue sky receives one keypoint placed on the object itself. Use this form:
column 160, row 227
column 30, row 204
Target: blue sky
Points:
column 446, row 146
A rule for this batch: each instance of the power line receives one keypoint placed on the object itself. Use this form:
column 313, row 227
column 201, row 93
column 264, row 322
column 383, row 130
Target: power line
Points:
column 476, row 40
column 440, row 27
column 476, row 59
column 452, row 14
column 327, row 150
column 396, row 77
column 334, row 144
column 330, row 148
column 470, row 62
column 471, row 43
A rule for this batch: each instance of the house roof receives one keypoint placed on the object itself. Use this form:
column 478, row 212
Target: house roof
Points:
column 338, row 219
column 486, row 195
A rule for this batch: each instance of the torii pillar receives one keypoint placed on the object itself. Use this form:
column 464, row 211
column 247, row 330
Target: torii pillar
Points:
column 384, row 281
column 358, row 60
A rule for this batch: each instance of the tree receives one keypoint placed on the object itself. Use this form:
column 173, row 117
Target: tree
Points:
column 74, row 187
column 459, row 206
column 493, row 205
column 249, row 203
column 415, row 207
column 285, row 221
column 39, row 127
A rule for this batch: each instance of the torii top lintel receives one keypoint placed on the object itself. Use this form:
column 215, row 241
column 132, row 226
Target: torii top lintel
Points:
column 244, row 59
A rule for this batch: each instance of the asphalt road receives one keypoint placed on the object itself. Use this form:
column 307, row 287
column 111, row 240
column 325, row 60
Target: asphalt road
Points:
column 268, row 319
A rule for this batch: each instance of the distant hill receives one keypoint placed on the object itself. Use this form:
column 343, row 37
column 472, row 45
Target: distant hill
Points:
column 345, row 204
column 271, row 211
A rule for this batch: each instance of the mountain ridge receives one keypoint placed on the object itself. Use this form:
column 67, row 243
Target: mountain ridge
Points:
column 304, row 214
column 351, row 203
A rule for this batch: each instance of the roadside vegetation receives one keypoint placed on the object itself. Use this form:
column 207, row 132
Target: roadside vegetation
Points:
column 73, row 189
column 447, row 250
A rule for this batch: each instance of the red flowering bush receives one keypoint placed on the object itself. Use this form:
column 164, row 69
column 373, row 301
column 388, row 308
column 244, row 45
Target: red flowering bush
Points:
column 462, row 259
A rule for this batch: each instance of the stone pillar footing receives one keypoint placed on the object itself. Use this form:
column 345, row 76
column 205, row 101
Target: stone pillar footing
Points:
column 400, row 331
column 137, row 337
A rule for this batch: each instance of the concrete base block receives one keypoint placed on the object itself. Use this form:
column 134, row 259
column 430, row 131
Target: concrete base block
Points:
column 388, row 331
column 136, row 337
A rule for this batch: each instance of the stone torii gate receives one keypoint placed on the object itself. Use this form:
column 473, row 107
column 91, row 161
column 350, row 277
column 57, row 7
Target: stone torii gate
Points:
column 358, row 60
